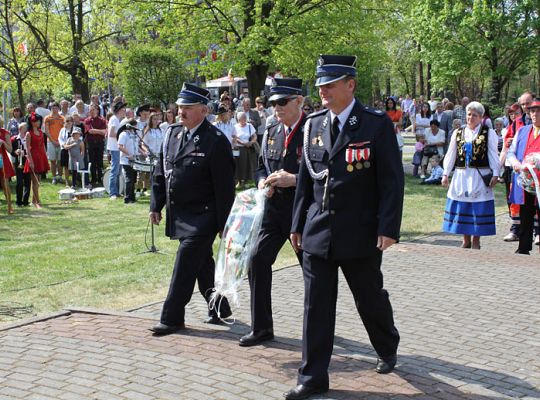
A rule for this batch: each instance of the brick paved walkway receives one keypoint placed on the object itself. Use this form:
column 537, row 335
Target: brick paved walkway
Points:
column 469, row 321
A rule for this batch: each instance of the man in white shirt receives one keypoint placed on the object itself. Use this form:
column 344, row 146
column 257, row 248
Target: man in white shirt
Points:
column 119, row 110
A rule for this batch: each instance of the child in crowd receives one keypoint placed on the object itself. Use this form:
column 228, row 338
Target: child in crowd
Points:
column 75, row 147
column 418, row 154
column 19, row 155
column 63, row 137
column 436, row 172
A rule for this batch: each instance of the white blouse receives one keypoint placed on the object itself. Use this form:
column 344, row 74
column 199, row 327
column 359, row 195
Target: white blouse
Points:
column 467, row 184
column 244, row 133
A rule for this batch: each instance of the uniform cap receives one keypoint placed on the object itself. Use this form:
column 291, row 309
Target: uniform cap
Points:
column 332, row 68
column 191, row 94
column 282, row 88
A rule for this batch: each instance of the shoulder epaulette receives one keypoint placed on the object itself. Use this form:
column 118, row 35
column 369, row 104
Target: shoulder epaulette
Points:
column 317, row 113
column 373, row 111
column 273, row 124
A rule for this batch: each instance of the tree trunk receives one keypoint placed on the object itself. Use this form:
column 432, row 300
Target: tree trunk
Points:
column 256, row 77
column 376, row 94
column 538, row 65
column 79, row 80
column 420, row 72
column 20, row 94
column 428, row 79
column 388, row 86
column 413, row 81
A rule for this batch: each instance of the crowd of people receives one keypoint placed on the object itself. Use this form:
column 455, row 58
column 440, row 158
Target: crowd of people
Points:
column 451, row 140
column 334, row 182
column 64, row 138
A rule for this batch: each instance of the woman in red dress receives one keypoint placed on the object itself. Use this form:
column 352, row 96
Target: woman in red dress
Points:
column 36, row 160
column 6, row 169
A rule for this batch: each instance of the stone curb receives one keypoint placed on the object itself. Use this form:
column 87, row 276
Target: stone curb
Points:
column 88, row 310
column 33, row 320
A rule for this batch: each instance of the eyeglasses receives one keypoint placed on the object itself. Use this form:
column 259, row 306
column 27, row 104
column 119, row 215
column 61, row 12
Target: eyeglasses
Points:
column 282, row 102
column 307, row 109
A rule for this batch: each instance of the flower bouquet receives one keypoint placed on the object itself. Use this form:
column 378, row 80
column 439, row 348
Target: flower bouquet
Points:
column 529, row 177
column 237, row 243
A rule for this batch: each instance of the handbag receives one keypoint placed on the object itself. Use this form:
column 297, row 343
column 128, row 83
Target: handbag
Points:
column 486, row 178
column 430, row 151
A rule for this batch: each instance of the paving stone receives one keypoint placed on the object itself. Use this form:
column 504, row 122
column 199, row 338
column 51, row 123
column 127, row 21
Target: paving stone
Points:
column 468, row 321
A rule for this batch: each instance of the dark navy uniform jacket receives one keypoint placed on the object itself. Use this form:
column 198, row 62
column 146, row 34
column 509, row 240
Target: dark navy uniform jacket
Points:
column 197, row 184
column 361, row 203
column 278, row 208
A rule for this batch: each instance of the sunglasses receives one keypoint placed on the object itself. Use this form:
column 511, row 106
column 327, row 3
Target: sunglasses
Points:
column 282, row 102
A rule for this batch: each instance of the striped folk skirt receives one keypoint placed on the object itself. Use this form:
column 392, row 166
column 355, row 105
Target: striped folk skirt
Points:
column 466, row 218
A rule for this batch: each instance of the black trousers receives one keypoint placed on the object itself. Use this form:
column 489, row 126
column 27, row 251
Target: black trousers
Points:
column 526, row 215
column 130, row 178
column 365, row 281
column 194, row 262
column 269, row 243
column 95, row 156
column 23, row 187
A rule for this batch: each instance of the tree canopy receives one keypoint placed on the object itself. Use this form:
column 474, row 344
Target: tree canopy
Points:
column 486, row 49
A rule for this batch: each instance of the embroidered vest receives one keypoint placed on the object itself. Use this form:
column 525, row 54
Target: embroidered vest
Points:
column 479, row 157
column 533, row 145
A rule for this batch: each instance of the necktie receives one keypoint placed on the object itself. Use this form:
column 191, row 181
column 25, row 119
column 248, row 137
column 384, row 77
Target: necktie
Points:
column 335, row 130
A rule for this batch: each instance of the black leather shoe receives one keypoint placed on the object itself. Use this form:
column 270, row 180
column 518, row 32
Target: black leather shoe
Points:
column 303, row 392
column 162, row 329
column 254, row 338
column 518, row 251
column 213, row 319
column 386, row 365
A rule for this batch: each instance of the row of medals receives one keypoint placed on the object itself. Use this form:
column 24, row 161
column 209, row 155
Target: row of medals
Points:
column 317, row 140
column 358, row 165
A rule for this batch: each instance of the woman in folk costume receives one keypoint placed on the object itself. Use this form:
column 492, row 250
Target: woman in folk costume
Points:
column 6, row 169
column 470, row 206
column 36, row 158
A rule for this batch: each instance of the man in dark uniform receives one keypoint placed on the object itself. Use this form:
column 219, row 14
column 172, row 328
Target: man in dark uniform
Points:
column 347, row 211
column 194, row 180
column 280, row 157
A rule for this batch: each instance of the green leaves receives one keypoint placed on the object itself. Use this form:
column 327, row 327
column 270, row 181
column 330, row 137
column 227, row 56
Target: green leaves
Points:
column 152, row 75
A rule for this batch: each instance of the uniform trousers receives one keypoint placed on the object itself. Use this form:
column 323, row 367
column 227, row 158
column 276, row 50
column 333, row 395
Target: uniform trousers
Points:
column 130, row 177
column 527, row 212
column 365, row 281
column 194, row 262
column 95, row 156
column 23, row 187
column 270, row 241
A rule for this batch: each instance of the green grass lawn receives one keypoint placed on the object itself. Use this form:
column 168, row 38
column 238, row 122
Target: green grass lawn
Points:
column 87, row 253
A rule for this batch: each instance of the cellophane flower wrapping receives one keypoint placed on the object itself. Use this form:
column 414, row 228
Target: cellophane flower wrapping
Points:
column 237, row 243
column 529, row 177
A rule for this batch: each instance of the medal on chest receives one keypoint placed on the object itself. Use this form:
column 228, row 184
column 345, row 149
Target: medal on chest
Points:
column 349, row 158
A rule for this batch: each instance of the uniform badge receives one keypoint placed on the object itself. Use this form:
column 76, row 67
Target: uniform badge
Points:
column 325, row 122
column 179, row 136
column 196, row 139
column 352, row 120
column 314, row 141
